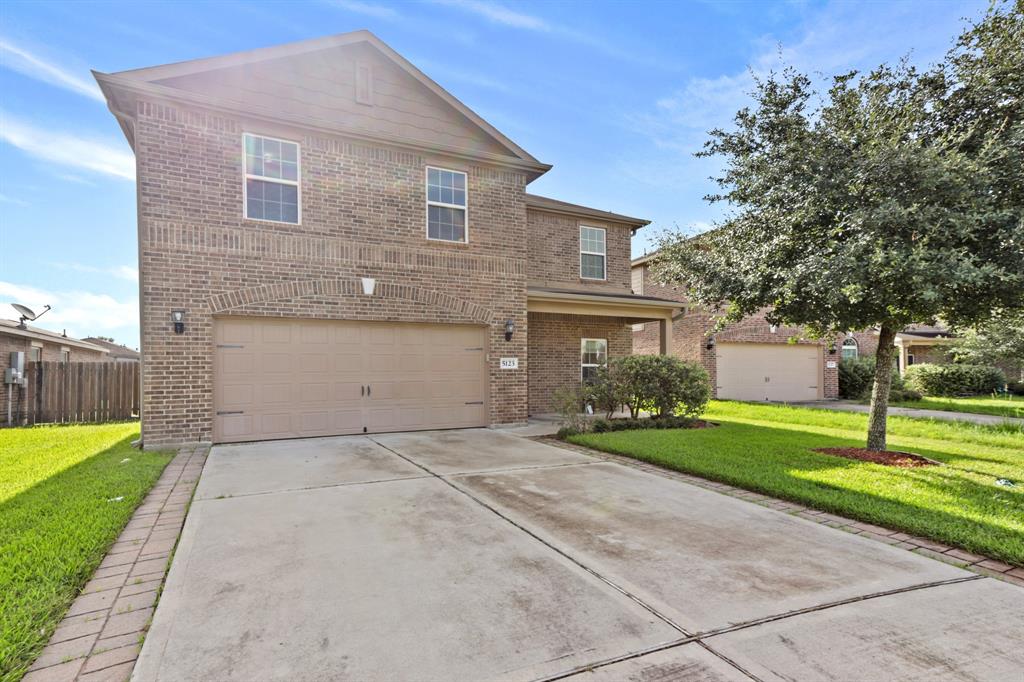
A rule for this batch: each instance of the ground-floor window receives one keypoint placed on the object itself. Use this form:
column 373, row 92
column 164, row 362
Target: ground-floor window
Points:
column 65, row 355
column 593, row 354
column 850, row 349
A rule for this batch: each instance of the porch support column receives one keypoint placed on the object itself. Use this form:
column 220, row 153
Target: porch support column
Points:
column 664, row 330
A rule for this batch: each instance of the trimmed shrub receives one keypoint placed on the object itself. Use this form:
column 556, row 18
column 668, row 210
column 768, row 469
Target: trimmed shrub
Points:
column 607, row 392
column 857, row 378
column 856, row 375
column 955, row 379
column 661, row 384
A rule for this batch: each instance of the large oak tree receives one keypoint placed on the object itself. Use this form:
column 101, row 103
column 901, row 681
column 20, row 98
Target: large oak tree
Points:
column 896, row 196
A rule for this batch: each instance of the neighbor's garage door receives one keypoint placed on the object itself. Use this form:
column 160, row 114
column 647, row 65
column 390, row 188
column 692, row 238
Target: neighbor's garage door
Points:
column 290, row 378
column 769, row 371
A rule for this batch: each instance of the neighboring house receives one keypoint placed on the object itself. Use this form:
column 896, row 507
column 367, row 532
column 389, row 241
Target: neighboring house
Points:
column 750, row 359
column 331, row 243
column 922, row 343
column 116, row 352
column 39, row 345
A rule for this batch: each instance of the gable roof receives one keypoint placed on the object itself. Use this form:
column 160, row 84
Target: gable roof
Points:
column 116, row 350
column 556, row 206
column 165, row 81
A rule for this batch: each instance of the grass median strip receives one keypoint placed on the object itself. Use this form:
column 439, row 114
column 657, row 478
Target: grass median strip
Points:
column 770, row 449
column 65, row 494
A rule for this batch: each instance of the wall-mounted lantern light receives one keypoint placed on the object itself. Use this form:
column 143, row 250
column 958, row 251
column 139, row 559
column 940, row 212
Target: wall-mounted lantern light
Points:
column 369, row 285
column 711, row 343
column 178, row 318
column 832, row 348
column 510, row 327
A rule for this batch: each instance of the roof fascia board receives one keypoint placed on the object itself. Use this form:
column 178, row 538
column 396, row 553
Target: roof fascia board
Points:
column 111, row 83
column 60, row 340
column 584, row 297
column 632, row 223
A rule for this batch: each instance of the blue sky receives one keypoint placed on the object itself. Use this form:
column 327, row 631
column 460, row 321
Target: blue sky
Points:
column 617, row 95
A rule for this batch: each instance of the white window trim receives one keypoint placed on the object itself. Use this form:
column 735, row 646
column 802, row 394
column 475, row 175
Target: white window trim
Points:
column 583, row 345
column 246, row 176
column 60, row 356
column 594, row 253
column 854, row 345
column 426, row 210
column 34, row 346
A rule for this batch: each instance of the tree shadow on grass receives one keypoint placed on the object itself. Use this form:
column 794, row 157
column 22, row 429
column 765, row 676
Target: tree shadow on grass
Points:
column 54, row 534
column 781, row 463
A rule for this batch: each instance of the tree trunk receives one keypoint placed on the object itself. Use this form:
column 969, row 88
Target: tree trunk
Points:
column 880, row 389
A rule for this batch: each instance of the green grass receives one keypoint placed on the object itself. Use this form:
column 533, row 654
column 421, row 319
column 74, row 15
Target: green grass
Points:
column 57, row 521
column 769, row 449
column 1001, row 406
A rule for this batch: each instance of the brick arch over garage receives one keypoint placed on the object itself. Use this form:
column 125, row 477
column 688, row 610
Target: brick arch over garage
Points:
column 347, row 287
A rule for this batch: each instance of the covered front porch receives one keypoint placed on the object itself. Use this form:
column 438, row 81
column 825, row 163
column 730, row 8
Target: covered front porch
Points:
column 571, row 334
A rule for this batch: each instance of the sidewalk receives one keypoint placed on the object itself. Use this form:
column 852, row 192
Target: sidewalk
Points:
column 848, row 406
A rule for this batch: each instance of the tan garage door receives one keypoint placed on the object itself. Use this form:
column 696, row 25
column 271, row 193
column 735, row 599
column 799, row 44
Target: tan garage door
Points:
column 769, row 371
column 294, row 378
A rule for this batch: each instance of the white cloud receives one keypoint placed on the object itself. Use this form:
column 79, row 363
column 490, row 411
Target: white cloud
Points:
column 24, row 62
column 81, row 313
column 499, row 14
column 126, row 272
column 367, row 8
column 67, row 149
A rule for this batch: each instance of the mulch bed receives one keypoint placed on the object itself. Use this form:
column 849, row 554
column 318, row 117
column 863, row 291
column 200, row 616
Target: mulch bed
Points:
column 906, row 460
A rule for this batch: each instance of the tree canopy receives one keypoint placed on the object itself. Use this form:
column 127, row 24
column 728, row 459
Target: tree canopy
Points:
column 894, row 197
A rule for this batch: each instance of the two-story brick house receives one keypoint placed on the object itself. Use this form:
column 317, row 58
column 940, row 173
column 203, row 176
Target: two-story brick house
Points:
column 331, row 243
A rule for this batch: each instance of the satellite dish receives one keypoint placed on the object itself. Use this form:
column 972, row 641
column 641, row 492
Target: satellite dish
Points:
column 25, row 311
column 27, row 314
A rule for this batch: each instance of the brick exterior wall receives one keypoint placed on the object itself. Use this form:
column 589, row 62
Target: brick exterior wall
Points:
column 690, row 334
column 363, row 215
column 554, row 348
column 554, row 253
column 51, row 353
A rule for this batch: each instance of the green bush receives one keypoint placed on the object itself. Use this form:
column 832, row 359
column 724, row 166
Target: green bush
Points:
column 607, row 392
column 857, row 378
column 568, row 403
column 661, row 384
column 955, row 379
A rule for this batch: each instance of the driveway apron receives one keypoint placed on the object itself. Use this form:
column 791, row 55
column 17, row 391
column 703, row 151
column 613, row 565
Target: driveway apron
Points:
column 473, row 555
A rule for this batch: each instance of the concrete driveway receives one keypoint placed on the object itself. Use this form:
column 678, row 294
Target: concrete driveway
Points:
column 479, row 555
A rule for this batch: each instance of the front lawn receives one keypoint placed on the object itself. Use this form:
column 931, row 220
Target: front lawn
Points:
column 769, row 449
column 1001, row 406
column 65, row 494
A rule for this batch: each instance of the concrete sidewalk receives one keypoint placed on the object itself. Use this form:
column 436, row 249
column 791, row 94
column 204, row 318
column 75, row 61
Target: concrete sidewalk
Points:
column 850, row 406
column 472, row 555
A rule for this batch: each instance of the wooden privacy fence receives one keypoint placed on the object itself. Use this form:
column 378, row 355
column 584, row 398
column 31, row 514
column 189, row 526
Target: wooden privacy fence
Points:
column 78, row 392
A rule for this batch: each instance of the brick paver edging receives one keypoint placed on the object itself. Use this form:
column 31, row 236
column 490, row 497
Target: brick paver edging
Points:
column 923, row 546
column 102, row 632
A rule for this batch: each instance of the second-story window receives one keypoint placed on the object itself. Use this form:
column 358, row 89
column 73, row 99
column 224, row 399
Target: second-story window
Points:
column 592, row 252
column 271, row 179
column 446, row 205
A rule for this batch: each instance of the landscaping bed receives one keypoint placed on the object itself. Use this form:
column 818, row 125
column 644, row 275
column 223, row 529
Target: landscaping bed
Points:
column 771, row 449
column 65, row 494
column 907, row 460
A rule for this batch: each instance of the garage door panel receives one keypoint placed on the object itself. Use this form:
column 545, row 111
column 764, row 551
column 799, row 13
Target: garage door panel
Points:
column 768, row 371
column 294, row 378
